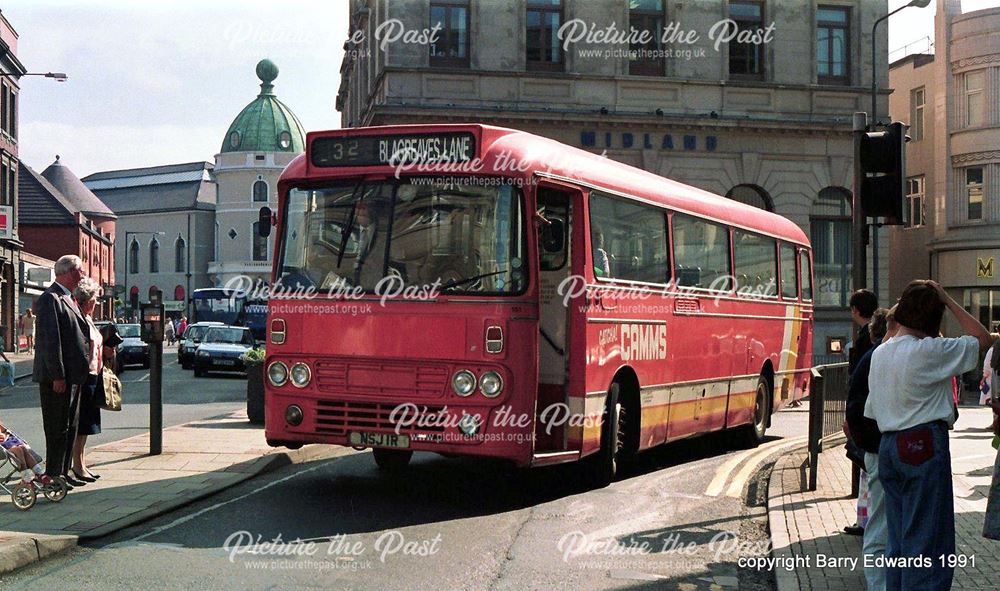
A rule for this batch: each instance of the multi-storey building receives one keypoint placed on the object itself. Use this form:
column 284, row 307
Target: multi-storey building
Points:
column 166, row 226
column 752, row 99
column 951, row 100
column 11, row 70
column 260, row 142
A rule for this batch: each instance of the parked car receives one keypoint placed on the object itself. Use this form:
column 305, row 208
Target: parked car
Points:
column 132, row 350
column 190, row 341
column 222, row 349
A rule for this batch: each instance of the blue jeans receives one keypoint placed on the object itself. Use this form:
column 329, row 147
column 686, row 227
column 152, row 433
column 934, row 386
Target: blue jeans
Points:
column 873, row 545
column 915, row 472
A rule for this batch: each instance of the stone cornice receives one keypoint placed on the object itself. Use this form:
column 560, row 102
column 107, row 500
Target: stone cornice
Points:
column 976, row 157
column 976, row 61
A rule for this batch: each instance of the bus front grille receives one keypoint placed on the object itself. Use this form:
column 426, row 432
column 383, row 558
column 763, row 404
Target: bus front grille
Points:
column 402, row 380
column 339, row 418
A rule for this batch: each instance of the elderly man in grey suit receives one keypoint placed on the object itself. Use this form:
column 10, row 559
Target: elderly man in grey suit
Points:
column 61, row 363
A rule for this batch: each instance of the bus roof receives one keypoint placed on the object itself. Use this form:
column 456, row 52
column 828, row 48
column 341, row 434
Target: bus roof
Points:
column 551, row 159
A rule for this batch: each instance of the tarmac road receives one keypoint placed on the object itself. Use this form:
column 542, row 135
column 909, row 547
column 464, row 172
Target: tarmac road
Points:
column 679, row 519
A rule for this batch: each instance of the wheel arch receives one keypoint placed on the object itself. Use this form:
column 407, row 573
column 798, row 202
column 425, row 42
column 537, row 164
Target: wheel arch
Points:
column 629, row 397
column 767, row 372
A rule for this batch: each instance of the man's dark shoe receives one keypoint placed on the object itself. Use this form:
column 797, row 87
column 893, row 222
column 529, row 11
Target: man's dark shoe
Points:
column 73, row 482
column 854, row 530
column 69, row 486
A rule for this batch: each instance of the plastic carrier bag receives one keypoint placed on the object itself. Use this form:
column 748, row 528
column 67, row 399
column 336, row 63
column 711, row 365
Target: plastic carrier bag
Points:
column 6, row 373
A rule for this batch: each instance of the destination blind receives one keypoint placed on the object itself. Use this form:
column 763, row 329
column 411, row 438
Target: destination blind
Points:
column 390, row 150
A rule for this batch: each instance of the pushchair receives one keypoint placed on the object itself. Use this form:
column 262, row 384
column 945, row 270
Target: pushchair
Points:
column 25, row 494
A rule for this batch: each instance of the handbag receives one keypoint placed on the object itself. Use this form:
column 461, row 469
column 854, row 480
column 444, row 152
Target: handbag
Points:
column 112, row 390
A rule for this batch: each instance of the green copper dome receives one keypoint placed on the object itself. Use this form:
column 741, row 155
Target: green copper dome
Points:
column 266, row 124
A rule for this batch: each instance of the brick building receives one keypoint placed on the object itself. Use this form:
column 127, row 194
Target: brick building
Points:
column 59, row 215
column 11, row 70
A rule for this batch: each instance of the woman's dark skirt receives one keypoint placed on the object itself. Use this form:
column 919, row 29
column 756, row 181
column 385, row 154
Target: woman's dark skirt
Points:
column 90, row 407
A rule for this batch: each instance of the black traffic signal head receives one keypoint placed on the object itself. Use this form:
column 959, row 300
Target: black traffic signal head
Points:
column 883, row 173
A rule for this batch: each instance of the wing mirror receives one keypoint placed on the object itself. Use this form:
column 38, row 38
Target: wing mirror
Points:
column 264, row 222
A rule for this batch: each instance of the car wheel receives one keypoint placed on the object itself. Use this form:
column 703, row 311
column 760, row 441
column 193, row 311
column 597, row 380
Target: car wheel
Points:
column 198, row 372
column 145, row 364
column 391, row 460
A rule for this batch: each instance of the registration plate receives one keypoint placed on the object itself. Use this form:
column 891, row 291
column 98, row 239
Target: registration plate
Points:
column 225, row 362
column 380, row 440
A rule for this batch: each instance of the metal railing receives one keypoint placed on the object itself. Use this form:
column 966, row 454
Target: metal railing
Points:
column 827, row 410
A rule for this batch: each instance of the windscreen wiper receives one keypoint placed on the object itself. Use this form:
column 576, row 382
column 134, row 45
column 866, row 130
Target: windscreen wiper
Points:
column 457, row 282
column 346, row 232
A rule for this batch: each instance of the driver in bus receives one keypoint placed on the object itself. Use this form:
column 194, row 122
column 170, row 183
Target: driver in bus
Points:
column 368, row 244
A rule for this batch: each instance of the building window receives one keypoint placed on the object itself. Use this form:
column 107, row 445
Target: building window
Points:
column 746, row 60
column 180, row 255
column 751, row 195
column 260, row 191
column 646, row 54
column 133, row 257
column 915, row 201
column 544, row 48
column 13, row 114
column 830, row 231
column 833, row 35
column 974, row 99
column 259, row 244
column 152, row 292
column 179, row 293
column 984, row 304
column 133, row 296
column 154, row 256
column 917, row 100
column 451, row 48
column 4, row 187
column 974, row 192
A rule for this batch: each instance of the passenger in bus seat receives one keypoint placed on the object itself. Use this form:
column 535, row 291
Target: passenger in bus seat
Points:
column 367, row 220
column 602, row 261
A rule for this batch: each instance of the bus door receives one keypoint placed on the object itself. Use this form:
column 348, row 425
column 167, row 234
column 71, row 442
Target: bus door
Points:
column 558, row 205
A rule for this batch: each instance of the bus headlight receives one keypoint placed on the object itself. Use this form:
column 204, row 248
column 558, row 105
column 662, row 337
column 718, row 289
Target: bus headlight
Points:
column 293, row 415
column 277, row 373
column 491, row 384
column 300, row 375
column 463, row 382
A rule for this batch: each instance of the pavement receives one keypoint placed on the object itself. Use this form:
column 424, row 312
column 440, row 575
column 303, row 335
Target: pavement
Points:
column 199, row 459
column 809, row 525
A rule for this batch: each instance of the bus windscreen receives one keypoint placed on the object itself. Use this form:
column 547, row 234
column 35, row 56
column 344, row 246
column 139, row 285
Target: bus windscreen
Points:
column 461, row 238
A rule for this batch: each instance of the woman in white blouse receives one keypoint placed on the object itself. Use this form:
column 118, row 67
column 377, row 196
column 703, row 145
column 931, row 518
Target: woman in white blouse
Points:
column 92, row 392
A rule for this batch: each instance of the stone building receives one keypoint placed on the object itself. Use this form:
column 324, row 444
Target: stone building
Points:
column 166, row 225
column 260, row 142
column 766, row 123
column 951, row 100
column 59, row 215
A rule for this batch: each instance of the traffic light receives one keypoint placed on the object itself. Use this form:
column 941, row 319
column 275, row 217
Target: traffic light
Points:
column 883, row 173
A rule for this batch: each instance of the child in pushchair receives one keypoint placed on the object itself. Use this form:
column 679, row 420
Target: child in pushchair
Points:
column 17, row 457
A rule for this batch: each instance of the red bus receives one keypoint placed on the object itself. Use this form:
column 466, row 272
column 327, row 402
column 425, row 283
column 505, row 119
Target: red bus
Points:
column 544, row 304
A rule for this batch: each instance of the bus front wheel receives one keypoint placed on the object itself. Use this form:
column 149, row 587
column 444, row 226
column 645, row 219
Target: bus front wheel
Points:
column 605, row 462
column 391, row 460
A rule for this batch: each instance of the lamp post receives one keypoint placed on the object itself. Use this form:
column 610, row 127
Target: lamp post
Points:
column 918, row 4
column 128, row 252
column 57, row 76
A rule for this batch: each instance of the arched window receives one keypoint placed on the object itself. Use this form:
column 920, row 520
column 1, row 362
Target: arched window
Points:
column 260, row 190
column 830, row 232
column 179, row 255
column 751, row 195
column 259, row 244
column 152, row 290
column 154, row 256
column 133, row 257
column 179, row 293
column 133, row 296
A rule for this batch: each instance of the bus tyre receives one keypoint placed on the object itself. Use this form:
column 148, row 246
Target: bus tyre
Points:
column 752, row 435
column 605, row 462
column 391, row 460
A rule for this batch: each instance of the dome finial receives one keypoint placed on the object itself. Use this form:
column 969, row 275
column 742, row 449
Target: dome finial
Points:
column 267, row 72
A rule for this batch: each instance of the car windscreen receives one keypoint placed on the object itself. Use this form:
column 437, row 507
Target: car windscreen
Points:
column 229, row 336
column 195, row 333
column 128, row 331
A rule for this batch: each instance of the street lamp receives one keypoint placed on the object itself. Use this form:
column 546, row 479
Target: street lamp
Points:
column 57, row 76
column 128, row 254
column 918, row 4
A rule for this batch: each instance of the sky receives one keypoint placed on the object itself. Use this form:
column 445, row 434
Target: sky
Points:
column 151, row 84
column 154, row 83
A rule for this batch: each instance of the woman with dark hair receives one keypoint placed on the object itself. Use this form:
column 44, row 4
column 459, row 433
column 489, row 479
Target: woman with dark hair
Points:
column 911, row 400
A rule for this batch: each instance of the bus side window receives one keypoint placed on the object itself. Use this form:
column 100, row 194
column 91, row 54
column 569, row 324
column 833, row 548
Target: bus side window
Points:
column 701, row 253
column 805, row 272
column 789, row 285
